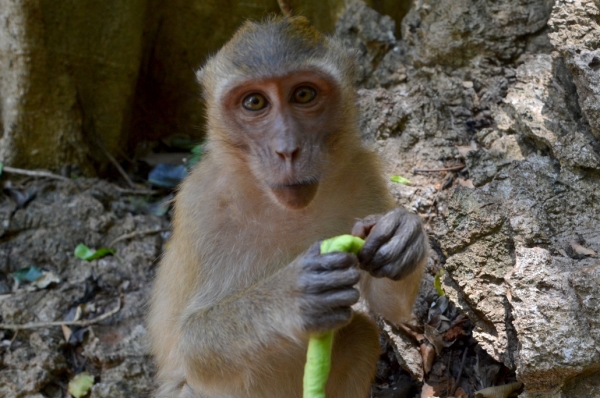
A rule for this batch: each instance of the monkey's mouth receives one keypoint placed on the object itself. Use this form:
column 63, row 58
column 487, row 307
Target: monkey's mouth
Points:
column 296, row 195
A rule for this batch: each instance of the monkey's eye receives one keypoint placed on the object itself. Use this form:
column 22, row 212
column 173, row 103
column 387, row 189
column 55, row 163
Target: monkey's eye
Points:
column 304, row 95
column 254, row 102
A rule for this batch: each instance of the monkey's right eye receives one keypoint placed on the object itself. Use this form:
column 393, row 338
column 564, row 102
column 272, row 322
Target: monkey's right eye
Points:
column 255, row 102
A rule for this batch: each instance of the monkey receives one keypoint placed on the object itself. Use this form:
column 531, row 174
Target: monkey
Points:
column 242, row 284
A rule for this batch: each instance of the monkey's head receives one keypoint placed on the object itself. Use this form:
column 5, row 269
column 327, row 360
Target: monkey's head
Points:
column 280, row 98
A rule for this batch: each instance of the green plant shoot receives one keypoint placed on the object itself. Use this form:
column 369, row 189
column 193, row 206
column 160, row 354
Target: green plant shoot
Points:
column 318, row 355
column 400, row 180
column 437, row 283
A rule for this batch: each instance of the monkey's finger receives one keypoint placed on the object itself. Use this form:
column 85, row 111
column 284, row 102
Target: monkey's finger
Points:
column 394, row 249
column 314, row 249
column 363, row 227
column 414, row 255
column 380, row 234
column 331, row 280
column 339, row 298
column 331, row 319
column 331, row 261
column 404, row 266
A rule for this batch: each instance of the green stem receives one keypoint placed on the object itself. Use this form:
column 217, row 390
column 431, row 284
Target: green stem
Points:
column 318, row 364
column 318, row 355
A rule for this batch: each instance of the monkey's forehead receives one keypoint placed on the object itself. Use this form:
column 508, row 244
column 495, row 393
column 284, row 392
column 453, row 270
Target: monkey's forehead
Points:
column 276, row 48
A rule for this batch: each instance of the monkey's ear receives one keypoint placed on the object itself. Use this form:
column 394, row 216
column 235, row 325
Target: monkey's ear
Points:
column 200, row 74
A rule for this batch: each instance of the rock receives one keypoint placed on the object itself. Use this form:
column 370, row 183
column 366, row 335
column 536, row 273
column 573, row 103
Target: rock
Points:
column 407, row 354
column 451, row 32
column 381, row 115
column 370, row 35
column 29, row 367
column 575, row 27
column 555, row 340
column 543, row 104
column 532, row 309
column 129, row 367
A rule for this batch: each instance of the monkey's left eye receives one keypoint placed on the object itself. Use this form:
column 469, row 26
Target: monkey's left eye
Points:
column 254, row 102
column 304, row 95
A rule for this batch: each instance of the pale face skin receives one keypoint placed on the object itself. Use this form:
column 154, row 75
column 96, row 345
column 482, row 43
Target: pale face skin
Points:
column 285, row 126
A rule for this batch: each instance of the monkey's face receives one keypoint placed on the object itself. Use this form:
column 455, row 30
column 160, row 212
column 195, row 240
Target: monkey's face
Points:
column 284, row 128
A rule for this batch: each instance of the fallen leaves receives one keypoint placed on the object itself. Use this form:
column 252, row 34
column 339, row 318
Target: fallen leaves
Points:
column 83, row 252
column 581, row 250
column 498, row 391
column 35, row 278
column 465, row 183
column 400, row 180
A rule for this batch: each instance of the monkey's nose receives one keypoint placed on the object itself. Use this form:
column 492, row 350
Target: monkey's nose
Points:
column 288, row 155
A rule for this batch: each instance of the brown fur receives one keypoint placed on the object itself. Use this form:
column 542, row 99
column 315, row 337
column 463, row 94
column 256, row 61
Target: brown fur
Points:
column 223, row 320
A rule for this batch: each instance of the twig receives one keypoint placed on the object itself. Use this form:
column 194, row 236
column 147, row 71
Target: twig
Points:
column 34, row 173
column 137, row 191
column 453, row 168
column 115, row 163
column 82, row 323
column 14, row 338
column 137, row 233
column 286, row 7
column 462, row 365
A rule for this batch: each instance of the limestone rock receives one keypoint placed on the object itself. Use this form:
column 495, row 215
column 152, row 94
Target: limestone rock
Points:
column 575, row 26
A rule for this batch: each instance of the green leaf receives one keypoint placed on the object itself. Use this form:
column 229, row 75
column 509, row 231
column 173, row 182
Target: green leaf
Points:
column 81, row 384
column 1, row 167
column 437, row 283
column 83, row 252
column 28, row 274
column 400, row 180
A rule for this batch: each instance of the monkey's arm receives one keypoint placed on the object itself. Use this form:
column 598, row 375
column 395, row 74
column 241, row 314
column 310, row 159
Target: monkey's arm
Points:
column 225, row 343
column 393, row 257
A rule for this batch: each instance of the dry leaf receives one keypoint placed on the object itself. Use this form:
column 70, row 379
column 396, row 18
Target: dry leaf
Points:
column 460, row 393
column 427, row 391
column 584, row 251
column 465, row 183
column 457, row 329
column 428, row 355
column 498, row 391
column 78, row 313
column 45, row 280
column 67, row 332
column 434, row 337
column 464, row 150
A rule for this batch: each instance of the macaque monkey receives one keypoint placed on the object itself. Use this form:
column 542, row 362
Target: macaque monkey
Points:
column 242, row 283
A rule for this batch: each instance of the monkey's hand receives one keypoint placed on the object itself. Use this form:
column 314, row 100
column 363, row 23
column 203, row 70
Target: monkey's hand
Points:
column 325, row 288
column 395, row 243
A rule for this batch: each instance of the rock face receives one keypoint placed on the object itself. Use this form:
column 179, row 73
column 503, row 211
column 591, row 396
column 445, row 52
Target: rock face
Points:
column 511, row 89
column 575, row 34
column 516, row 244
column 451, row 32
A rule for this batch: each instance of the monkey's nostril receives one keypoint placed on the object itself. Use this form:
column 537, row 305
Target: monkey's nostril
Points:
column 287, row 155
